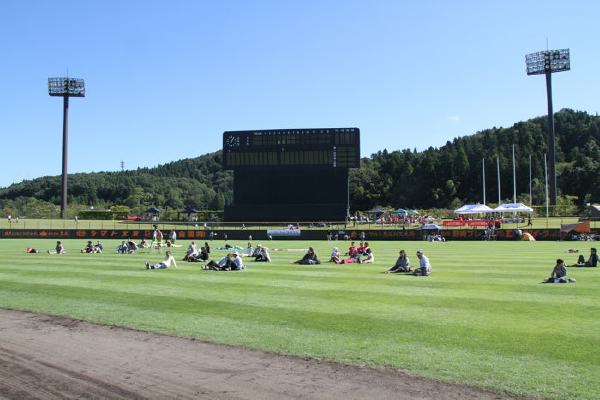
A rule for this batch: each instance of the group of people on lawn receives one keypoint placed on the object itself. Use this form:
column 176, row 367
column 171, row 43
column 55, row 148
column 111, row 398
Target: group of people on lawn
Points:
column 559, row 272
column 233, row 260
column 361, row 254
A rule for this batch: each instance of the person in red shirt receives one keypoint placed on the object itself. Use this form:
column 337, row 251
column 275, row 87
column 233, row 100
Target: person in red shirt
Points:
column 361, row 248
column 352, row 250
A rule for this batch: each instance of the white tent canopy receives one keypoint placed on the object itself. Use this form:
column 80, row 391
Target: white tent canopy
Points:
column 513, row 207
column 474, row 209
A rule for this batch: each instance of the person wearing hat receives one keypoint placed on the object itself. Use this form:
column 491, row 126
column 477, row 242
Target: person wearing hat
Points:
column 424, row 265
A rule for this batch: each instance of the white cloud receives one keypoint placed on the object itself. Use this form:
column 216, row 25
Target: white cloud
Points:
column 454, row 118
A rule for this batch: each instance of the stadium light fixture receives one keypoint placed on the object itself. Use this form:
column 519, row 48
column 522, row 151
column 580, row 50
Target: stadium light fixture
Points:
column 65, row 88
column 546, row 63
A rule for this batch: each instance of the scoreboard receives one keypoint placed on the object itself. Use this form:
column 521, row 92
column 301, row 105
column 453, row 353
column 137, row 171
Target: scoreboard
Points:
column 325, row 147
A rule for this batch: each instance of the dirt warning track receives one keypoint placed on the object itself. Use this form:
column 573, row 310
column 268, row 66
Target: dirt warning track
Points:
column 46, row 357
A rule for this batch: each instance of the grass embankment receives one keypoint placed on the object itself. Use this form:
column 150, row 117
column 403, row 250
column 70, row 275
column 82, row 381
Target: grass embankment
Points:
column 482, row 318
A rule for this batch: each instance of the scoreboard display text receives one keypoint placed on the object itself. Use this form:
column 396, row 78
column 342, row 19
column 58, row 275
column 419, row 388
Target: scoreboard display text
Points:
column 331, row 147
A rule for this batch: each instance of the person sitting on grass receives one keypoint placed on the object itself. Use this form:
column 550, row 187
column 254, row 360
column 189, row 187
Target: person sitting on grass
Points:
column 559, row 273
column 59, row 249
column 131, row 246
column 424, row 265
column 361, row 248
column 191, row 252
column 143, row 244
column 168, row 262
column 368, row 254
column 99, row 247
column 263, row 255
column 352, row 251
column 89, row 248
column 402, row 264
column 249, row 250
column 122, row 248
column 31, row 250
column 593, row 260
column 335, row 256
column 256, row 251
column 353, row 257
column 310, row 258
column 198, row 256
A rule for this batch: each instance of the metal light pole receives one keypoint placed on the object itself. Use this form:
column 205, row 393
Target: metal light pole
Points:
column 65, row 88
column 547, row 62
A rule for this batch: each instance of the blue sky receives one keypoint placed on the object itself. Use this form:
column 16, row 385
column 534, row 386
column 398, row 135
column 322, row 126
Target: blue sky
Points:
column 165, row 79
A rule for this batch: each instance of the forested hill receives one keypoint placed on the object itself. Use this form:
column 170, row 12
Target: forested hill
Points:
column 452, row 174
column 436, row 177
column 199, row 182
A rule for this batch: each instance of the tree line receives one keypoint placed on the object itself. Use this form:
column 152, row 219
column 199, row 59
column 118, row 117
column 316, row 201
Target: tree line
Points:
column 434, row 178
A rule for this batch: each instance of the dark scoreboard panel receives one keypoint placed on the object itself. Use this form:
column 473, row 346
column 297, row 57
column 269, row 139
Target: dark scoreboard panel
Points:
column 326, row 147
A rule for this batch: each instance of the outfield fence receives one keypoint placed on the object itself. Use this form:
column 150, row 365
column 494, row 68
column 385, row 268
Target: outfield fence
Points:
column 506, row 223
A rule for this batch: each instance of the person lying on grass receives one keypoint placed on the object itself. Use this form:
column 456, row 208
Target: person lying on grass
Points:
column 310, row 258
column 231, row 262
column 59, row 249
column 168, row 262
column 402, row 264
column 424, row 265
column 559, row 273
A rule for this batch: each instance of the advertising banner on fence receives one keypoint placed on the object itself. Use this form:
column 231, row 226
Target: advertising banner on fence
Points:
column 283, row 232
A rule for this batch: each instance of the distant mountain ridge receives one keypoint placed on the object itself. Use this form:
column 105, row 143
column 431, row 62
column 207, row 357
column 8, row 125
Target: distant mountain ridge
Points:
column 436, row 177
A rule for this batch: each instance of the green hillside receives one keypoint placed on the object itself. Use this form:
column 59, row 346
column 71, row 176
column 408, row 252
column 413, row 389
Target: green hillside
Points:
column 434, row 178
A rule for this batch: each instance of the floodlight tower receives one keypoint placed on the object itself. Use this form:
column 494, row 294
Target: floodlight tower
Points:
column 547, row 62
column 65, row 87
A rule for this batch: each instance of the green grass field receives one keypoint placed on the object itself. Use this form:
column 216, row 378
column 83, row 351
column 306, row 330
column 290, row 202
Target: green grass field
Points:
column 482, row 318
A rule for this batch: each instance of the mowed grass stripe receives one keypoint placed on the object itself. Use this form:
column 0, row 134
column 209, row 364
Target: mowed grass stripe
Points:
column 482, row 318
column 458, row 330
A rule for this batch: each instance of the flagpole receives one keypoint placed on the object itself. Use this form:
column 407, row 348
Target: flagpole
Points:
column 498, row 168
column 483, row 166
column 514, row 177
column 530, row 191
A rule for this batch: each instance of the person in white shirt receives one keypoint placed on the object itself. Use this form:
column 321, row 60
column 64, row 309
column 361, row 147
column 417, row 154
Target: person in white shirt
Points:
column 169, row 262
column 263, row 255
column 231, row 262
column 191, row 253
column 237, row 263
column 424, row 265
